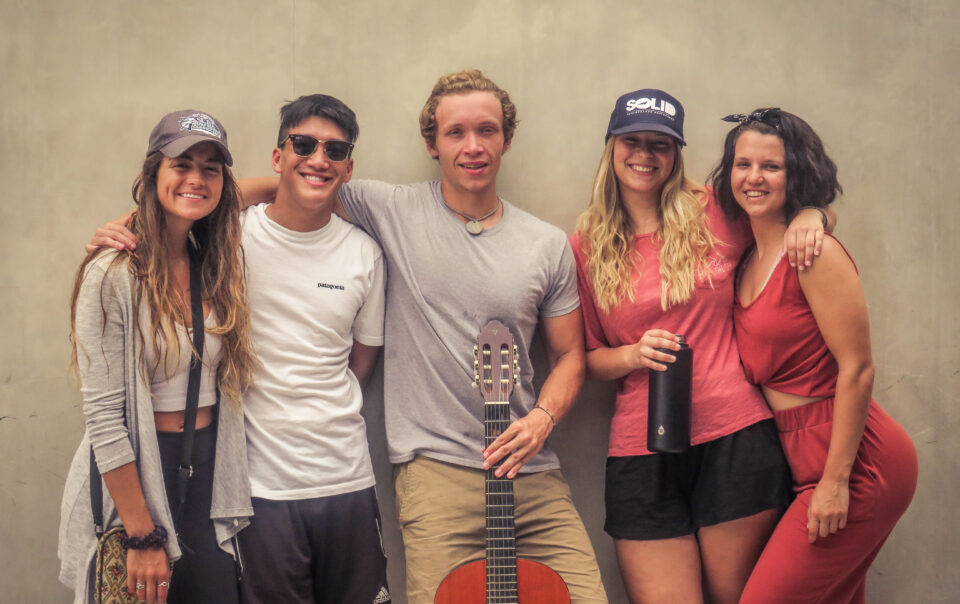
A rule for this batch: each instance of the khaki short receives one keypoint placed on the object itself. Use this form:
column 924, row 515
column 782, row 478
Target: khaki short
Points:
column 441, row 508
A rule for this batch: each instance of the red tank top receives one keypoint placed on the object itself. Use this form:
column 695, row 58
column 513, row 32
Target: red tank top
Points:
column 780, row 341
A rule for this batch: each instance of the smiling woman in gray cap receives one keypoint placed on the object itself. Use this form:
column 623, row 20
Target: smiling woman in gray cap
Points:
column 135, row 341
column 655, row 260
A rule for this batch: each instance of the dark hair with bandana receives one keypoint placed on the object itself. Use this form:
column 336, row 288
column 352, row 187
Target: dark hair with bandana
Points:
column 811, row 174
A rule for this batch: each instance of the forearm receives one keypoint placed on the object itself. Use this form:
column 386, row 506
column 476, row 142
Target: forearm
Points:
column 124, row 486
column 851, row 405
column 563, row 384
column 257, row 190
column 606, row 363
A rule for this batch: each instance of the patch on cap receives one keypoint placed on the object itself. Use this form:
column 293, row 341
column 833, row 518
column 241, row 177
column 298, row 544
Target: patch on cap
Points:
column 650, row 105
column 201, row 122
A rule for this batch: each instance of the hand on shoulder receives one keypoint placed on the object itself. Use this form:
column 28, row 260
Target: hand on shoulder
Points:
column 833, row 264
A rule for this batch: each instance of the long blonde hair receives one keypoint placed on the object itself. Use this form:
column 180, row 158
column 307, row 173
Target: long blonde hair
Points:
column 217, row 237
column 607, row 236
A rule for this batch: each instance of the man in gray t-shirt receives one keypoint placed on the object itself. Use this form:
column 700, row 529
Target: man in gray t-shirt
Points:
column 457, row 257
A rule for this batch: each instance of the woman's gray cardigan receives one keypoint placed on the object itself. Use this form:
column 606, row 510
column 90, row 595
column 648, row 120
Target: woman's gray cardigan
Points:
column 119, row 420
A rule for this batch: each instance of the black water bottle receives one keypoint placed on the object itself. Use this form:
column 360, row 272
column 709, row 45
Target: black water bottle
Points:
column 668, row 402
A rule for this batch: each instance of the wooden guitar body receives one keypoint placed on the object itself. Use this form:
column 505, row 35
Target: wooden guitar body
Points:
column 536, row 584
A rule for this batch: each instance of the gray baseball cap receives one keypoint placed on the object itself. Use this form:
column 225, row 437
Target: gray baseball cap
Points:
column 180, row 130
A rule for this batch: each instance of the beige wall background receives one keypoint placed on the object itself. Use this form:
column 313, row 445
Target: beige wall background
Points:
column 83, row 83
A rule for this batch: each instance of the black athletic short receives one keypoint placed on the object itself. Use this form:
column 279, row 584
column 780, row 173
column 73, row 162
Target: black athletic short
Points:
column 322, row 550
column 667, row 495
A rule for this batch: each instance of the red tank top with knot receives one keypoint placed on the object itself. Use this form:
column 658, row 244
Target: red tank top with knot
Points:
column 779, row 339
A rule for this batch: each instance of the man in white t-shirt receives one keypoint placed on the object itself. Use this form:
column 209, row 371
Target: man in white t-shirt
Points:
column 316, row 291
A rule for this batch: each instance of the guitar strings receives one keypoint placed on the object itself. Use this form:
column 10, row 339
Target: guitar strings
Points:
column 497, row 383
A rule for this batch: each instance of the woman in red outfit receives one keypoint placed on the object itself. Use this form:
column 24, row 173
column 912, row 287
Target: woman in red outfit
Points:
column 804, row 338
column 655, row 257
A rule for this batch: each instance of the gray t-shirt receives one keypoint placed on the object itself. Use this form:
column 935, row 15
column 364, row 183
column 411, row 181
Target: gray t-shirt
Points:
column 443, row 285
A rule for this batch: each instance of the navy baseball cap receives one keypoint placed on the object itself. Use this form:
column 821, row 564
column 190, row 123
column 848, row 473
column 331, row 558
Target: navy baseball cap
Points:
column 647, row 110
column 178, row 131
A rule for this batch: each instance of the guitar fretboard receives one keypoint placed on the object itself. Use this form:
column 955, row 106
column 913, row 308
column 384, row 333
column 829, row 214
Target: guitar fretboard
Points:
column 501, row 538
column 496, row 372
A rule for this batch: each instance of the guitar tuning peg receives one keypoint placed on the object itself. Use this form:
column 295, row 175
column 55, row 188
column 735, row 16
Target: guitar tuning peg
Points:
column 516, row 378
column 516, row 350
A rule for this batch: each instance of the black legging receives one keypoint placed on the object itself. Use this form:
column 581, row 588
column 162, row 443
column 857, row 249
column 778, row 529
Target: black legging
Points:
column 205, row 573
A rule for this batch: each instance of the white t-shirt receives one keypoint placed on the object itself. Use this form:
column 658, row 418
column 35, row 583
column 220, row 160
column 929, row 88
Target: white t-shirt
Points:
column 311, row 295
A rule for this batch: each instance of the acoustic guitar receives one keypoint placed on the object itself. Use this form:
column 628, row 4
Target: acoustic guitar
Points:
column 501, row 578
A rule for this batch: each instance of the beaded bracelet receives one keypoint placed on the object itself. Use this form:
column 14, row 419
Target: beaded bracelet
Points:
column 154, row 539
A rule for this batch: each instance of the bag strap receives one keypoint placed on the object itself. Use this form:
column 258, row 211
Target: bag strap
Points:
column 185, row 469
column 96, row 496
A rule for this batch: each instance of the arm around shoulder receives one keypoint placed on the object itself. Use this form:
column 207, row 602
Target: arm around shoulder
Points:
column 262, row 189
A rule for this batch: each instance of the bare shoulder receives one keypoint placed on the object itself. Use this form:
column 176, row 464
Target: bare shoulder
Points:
column 830, row 267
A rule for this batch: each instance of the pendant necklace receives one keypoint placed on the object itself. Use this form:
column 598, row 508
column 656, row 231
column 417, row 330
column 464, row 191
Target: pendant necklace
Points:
column 473, row 225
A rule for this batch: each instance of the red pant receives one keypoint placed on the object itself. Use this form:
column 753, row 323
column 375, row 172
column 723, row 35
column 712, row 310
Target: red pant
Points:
column 833, row 570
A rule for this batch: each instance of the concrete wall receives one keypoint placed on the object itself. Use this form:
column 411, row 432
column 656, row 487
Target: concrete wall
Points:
column 83, row 83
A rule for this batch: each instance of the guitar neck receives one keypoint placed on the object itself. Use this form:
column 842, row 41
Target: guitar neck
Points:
column 501, row 536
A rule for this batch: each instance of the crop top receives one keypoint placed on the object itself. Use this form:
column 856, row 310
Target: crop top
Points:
column 780, row 342
column 168, row 389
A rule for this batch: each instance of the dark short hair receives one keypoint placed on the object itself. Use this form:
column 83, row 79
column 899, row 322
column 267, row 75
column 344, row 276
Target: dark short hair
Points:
column 811, row 174
column 318, row 105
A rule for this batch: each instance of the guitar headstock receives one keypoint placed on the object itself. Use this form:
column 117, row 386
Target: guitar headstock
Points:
column 495, row 365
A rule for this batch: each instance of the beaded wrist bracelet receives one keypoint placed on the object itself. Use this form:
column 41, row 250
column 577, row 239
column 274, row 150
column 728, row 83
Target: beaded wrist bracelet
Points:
column 154, row 539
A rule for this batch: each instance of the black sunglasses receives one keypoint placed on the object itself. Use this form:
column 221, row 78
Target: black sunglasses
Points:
column 305, row 146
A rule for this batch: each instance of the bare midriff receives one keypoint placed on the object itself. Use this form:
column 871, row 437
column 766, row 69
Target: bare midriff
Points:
column 780, row 401
column 172, row 421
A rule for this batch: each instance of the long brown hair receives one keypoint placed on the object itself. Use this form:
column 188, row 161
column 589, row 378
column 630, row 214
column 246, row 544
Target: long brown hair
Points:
column 217, row 237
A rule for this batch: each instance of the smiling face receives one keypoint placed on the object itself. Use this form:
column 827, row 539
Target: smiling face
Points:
column 643, row 162
column 309, row 185
column 189, row 186
column 759, row 176
column 469, row 143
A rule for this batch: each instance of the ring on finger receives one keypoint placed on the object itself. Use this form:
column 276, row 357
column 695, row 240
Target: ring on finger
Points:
column 163, row 584
column 140, row 586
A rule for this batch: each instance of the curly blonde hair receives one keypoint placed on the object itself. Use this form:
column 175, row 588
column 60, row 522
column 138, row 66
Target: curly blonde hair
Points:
column 217, row 237
column 462, row 82
column 607, row 237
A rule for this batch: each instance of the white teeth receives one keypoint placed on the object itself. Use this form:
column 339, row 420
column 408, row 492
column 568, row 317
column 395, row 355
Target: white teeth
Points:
column 315, row 179
column 643, row 169
column 756, row 193
column 191, row 196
